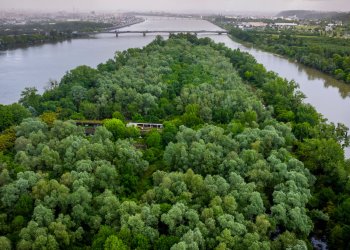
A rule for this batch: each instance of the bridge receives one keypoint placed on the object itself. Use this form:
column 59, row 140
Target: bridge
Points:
column 144, row 32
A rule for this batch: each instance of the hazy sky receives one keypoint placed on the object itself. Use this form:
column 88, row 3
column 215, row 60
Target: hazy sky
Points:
column 177, row 5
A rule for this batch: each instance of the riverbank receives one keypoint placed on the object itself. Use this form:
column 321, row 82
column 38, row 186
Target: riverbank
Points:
column 269, row 141
column 315, row 85
column 130, row 24
column 254, row 46
column 35, row 65
column 25, row 41
column 328, row 55
column 11, row 42
column 26, row 67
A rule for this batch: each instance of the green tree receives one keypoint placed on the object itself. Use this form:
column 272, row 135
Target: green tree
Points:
column 153, row 139
column 48, row 118
column 12, row 115
column 89, row 110
column 5, row 243
column 116, row 127
column 100, row 239
column 30, row 99
column 78, row 95
column 113, row 243
column 118, row 115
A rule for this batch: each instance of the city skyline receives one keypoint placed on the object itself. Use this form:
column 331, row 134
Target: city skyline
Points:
column 176, row 6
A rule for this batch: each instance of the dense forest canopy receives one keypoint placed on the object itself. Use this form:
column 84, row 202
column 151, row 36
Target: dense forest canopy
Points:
column 242, row 162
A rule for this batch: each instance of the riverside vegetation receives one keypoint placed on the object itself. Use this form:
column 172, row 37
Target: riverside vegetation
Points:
column 242, row 162
column 330, row 55
column 15, row 36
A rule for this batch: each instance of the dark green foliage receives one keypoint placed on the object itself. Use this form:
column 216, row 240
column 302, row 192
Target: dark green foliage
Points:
column 32, row 33
column 169, row 132
column 153, row 139
column 165, row 242
column 118, row 115
column 12, row 115
column 30, row 99
column 100, row 239
column 329, row 55
column 241, row 161
column 82, row 75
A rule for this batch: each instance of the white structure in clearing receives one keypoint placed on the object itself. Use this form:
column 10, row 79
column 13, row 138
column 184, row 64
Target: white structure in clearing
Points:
column 145, row 126
column 285, row 25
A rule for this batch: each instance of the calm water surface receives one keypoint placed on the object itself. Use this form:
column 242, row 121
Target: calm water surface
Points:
column 35, row 66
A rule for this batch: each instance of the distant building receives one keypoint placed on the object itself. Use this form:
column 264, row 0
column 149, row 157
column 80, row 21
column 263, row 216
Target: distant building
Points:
column 249, row 25
column 339, row 23
column 230, row 17
column 330, row 27
column 257, row 24
column 284, row 25
column 145, row 126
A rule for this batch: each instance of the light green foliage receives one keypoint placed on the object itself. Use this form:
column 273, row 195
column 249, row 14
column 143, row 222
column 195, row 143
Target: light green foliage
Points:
column 36, row 237
column 7, row 139
column 30, row 125
column 49, row 117
column 42, row 215
column 113, row 243
column 78, row 95
column 203, row 151
column 116, row 127
column 78, row 167
column 5, row 243
column 223, row 173
column 287, row 240
column 89, row 110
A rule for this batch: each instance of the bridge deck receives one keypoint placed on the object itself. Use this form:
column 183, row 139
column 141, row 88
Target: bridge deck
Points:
column 165, row 31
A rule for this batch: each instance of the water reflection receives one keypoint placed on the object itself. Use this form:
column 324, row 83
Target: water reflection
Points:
column 34, row 66
column 329, row 96
column 343, row 88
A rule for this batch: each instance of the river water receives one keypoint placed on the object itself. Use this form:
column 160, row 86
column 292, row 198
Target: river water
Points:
column 35, row 66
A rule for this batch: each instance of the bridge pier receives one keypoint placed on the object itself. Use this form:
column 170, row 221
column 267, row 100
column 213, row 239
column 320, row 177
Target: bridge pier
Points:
column 170, row 32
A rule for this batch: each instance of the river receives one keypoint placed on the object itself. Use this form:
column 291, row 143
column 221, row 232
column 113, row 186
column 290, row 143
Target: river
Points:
column 35, row 66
